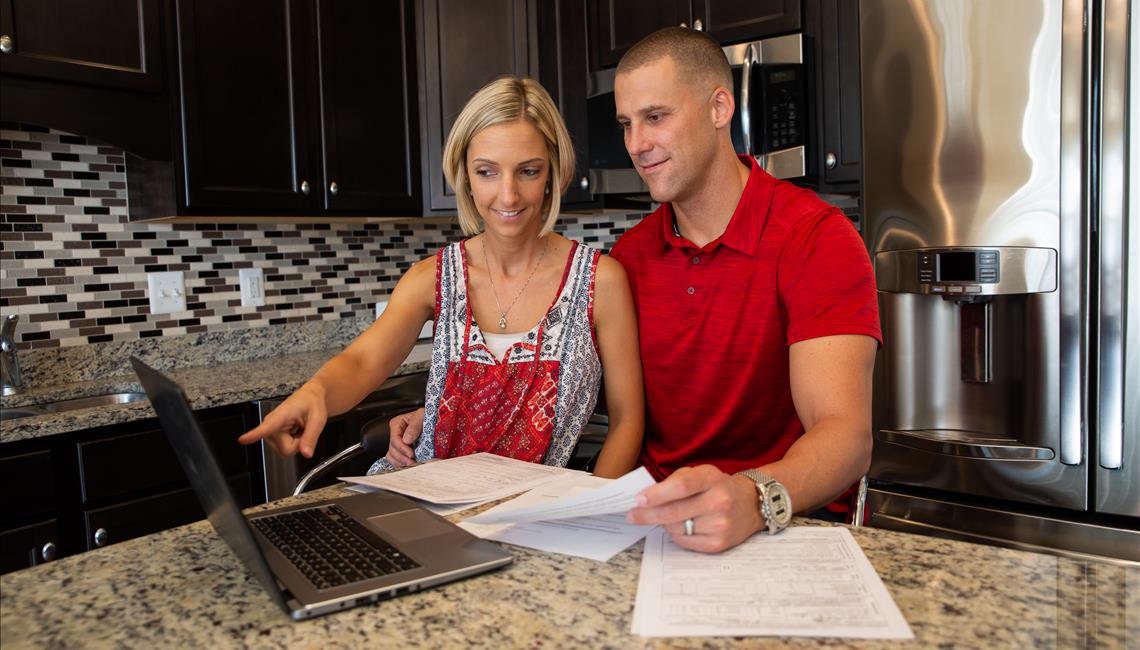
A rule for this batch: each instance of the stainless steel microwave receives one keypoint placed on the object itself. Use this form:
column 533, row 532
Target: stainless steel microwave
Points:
column 770, row 120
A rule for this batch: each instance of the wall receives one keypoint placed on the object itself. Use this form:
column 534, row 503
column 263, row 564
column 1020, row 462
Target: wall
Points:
column 75, row 270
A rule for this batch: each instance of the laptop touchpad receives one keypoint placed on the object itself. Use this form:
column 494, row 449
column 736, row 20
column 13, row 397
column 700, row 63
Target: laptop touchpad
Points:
column 410, row 525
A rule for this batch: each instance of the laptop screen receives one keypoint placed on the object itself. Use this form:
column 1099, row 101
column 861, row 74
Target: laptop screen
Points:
column 206, row 476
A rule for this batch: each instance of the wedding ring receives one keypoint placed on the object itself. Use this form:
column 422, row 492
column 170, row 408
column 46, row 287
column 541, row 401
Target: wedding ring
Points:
column 689, row 527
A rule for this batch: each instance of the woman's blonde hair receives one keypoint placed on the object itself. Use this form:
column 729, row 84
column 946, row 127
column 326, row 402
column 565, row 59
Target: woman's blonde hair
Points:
column 507, row 99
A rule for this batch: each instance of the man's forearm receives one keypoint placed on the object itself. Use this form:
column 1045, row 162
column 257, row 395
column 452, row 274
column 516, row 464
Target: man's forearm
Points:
column 824, row 462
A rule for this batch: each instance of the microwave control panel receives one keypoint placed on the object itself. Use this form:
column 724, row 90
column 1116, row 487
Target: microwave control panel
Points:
column 782, row 105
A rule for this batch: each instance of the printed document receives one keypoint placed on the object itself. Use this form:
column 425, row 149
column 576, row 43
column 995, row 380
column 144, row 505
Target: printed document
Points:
column 596, row 537
column 441, row 509
column 810, row 581
column 464, row 479
column 606, row 497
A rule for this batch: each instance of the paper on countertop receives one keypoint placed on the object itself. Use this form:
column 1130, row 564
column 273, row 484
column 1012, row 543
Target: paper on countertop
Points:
column 808, row 581
column 598, row 537
column 464, row 479
column 612, row 496
column 441, row 509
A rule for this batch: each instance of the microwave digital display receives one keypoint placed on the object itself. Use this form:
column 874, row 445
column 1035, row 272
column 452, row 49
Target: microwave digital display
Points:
column 782, row 76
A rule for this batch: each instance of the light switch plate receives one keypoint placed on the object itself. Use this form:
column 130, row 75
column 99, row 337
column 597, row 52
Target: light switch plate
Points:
column 167, row 292
column 252, row 283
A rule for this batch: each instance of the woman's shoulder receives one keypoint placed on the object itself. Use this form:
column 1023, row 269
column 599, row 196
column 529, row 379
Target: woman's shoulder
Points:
column 610, row 272
column 422, row 272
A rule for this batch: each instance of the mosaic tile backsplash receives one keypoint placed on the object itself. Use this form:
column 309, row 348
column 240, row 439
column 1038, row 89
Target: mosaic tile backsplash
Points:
column 74, row 268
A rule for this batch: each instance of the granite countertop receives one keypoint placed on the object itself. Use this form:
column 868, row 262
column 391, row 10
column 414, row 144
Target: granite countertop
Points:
column 184, row 588
column 213, row 383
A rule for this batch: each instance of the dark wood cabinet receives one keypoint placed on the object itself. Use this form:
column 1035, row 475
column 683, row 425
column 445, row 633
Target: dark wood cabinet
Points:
column 832, row 58
column 69, row 493
column 734, row 21
column 464, row 45
column 244, row 106
column 297, row 107
column 97, row 69
column 29, row 534
column 563, row 70
column 370, row 127
column 111, row 43
column 615, row 25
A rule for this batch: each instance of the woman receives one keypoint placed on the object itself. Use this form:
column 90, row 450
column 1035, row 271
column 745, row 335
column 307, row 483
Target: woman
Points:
column 525, row 319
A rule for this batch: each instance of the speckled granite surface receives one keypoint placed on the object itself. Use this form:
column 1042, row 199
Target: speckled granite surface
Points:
column 183, row 588
column 215, row 371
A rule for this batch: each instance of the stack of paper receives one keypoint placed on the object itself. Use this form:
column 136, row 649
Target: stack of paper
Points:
column 574, row 515
column 465, row 479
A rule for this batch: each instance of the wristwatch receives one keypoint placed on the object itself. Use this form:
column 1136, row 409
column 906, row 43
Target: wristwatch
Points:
column 775, row 503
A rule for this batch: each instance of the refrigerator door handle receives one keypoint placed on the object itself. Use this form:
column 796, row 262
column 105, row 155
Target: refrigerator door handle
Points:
column 1112, row 208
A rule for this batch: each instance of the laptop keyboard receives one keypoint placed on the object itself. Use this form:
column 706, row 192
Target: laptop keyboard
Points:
column 330, row 547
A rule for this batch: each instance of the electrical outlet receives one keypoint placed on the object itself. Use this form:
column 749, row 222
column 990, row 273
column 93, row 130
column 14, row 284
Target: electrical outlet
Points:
column 166, row 291
column 252, row 283
column 380, row 307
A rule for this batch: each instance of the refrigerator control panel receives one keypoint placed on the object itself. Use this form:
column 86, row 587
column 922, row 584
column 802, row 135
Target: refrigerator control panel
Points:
column 969, row 267
column 959, row 270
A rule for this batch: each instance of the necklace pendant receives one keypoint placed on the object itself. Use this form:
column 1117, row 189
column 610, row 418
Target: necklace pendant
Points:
column 503, row 323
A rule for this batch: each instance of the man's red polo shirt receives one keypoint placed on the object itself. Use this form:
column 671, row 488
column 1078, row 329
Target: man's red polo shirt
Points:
column 716, row 322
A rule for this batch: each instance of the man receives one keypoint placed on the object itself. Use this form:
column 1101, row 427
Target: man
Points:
column 756, row 308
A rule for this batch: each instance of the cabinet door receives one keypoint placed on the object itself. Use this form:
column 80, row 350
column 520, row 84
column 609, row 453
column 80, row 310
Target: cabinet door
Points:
column 615, row 25
column 28, row 546
column 833, row 28
column 18, row 473
column 563, row 70
column 151, row 514
column 143, row 461
column 110, row 43
column 367, row 104
column 245, row 121
column 465, row 45
column 735, row 21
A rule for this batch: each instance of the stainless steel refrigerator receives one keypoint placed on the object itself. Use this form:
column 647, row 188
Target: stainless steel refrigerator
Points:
column 1000, row 161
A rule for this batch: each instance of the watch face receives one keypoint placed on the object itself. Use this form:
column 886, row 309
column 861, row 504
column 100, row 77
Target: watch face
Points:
column 780, row 504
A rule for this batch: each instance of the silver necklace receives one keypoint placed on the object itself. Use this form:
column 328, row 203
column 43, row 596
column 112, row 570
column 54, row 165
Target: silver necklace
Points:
column 495, row 292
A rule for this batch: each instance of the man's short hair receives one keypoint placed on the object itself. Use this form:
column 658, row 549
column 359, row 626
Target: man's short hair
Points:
column 698, row 57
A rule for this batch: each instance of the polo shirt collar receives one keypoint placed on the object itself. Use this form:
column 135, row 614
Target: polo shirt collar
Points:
column 747, row 222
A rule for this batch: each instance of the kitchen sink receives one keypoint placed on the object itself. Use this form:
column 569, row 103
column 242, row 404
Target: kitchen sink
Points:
column 107, row 399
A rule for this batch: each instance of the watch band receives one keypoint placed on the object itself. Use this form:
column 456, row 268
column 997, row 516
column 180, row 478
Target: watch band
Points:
column 775, row 502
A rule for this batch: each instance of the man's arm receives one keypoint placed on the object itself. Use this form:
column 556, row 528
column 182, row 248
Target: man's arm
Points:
column 831, row 389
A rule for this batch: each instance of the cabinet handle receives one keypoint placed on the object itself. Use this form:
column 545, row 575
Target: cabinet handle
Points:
column 830, row 160
column 100, row 537
column 47, row 552
column 698, row 25
column 584, row 183
column 305, row 188
column 6, row 45
column 332, row 188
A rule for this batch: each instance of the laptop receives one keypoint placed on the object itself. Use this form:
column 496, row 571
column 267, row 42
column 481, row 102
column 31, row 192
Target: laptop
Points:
column 326, row 556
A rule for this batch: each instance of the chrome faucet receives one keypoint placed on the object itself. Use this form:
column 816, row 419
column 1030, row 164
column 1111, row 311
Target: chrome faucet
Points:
column 10, row 380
